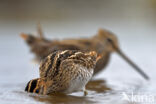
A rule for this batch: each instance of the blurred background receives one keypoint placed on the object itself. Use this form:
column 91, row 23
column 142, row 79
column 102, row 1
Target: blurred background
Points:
column 133, row 21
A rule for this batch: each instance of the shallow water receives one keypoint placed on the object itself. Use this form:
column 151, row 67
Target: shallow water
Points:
column 107, row 87
column 132, row 20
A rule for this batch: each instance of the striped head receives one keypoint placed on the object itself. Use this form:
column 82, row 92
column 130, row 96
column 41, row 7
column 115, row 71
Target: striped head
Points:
column 36, row 86
column 108, row 40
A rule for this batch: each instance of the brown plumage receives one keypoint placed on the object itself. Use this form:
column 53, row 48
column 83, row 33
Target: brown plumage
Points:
column 42, row 47
column 104, row 42
column 64, row 71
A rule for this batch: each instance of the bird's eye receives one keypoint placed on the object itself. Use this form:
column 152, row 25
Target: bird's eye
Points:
column 109, row 40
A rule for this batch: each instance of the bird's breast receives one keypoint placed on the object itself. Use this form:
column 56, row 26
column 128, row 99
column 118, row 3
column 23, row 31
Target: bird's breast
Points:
column 79, row 81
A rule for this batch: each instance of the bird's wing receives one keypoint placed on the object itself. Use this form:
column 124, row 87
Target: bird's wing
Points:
column 51, row 65
column 47, row 65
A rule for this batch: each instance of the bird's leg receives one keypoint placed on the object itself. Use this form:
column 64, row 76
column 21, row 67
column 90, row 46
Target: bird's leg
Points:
column 85, row 92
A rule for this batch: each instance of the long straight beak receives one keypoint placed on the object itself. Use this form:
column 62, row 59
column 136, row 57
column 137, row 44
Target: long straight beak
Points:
column 132, row 64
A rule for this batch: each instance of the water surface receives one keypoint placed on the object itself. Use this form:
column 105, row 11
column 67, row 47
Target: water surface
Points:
column 133, row 21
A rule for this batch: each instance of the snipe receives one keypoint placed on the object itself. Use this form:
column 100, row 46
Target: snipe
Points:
column 104, row 42
column 64, row 71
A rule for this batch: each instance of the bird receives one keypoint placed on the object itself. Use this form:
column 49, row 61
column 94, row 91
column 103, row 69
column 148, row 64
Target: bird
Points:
column 64, row 72
column 103, row 42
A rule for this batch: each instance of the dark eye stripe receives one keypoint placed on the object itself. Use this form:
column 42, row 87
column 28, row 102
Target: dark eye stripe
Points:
column 33, row 85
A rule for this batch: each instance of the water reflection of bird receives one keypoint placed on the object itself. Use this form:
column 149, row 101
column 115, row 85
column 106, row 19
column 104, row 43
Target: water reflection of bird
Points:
column 97, row 86
column 104, row 42
column 64, row 71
